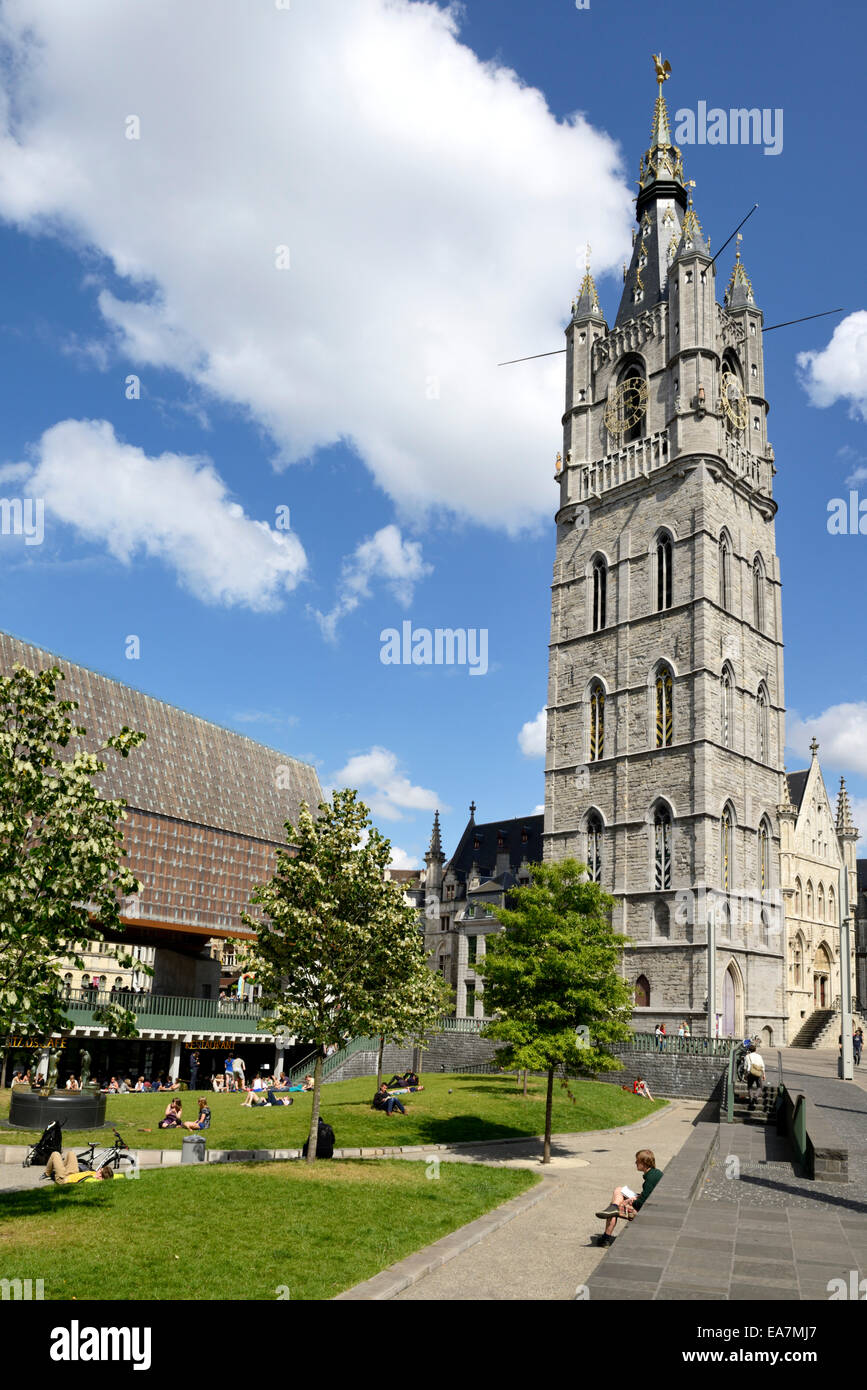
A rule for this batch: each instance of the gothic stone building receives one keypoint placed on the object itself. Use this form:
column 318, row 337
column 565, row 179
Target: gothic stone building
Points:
column 460, row 898
column 664, row 763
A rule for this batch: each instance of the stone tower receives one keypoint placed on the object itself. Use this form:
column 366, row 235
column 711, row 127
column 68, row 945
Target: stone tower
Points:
column 665, row 695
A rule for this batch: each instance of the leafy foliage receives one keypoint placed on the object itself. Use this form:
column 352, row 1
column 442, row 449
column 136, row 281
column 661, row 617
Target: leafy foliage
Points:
column 61, row 849
column 552, row 970
column 339, row 953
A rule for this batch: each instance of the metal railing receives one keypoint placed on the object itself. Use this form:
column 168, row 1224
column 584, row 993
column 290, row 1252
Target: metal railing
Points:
column 693, row 1047
column 166, row 1010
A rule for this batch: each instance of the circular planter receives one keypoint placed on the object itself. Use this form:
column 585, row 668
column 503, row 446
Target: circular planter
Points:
column 30, row 1110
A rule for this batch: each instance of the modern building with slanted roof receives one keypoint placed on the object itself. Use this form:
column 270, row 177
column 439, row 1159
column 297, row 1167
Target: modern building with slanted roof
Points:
column 206, row 811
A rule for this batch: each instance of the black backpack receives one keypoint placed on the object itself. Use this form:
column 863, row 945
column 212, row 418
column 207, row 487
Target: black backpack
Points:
column 50, row 1142
column 324, row 1142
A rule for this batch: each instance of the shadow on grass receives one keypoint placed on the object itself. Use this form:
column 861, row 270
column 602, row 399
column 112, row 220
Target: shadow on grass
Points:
column 37, row 1201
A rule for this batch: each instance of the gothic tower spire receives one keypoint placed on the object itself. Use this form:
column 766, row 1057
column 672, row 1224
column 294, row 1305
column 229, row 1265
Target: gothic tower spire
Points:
column 659, row 211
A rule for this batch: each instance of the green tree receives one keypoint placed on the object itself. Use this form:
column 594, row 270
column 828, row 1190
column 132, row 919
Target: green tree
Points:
column 552, row 970
column 61, row 851
column 339, row 953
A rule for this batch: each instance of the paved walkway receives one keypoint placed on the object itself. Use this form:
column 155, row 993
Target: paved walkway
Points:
column 546, row 1253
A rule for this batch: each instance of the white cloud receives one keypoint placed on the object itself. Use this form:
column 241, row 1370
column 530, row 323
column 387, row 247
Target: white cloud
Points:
column 172, row 508
column 531, row 739
column 401, row 860
column 385, row 556
column 839, row 371
column 539, row 810
column 841, row 731
column 431, row 203
column 859, row 820
column 384, row 787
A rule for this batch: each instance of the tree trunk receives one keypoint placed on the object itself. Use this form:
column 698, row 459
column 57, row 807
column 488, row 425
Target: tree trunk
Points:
column 379, row 1062
column 525, row 1083
column 314, row 1114
column 549, row 1105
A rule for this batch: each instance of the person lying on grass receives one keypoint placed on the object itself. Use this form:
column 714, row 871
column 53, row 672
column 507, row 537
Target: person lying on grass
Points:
column 383, row 1101
column 65, row 1171
column 624, row 1202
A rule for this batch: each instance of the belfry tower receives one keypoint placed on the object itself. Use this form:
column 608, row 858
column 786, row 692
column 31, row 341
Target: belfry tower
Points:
column 665, row 694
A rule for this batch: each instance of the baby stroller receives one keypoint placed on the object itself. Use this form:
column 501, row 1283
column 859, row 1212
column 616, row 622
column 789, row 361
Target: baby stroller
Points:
column 50, row 1142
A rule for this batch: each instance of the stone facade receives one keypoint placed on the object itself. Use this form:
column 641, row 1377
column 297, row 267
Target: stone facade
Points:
column 665, row 700
column 818, row 845
column 458, row 900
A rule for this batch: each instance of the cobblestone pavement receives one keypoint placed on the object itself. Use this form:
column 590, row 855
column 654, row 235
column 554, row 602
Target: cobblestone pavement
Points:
column 767, row 1176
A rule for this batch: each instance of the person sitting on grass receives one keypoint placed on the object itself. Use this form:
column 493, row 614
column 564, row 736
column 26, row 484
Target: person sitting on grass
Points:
column 204, row 1119
column 624, row 1202
column 64, row 1170
column 639, row 1088
column 172, row 1118
column 383, row 1101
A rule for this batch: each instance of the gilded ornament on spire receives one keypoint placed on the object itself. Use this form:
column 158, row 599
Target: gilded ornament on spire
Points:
column 663, row 159
column 691, row 224
column 739, row 278
column 588, row 299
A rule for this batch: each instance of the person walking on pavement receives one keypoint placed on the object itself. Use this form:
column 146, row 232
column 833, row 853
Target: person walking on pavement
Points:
column 238, row 1068
column 194, row 1070
column 857, row 1045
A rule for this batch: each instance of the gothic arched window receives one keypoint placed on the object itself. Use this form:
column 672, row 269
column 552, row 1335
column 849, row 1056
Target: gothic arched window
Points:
column 820, row 903
column 799, row 899
column 725, row 848
column 725, row 571
column 642, row 992
column 662, row 847
column 832, row 907
column 762, row 724
column 597, row 722
column 809, row 899
column 600, row 593
column 764, row 858
column 759, row 593
column 797, row 958
column 663, row 572
column 726, row 707
column 594, row 847
column 664, row 688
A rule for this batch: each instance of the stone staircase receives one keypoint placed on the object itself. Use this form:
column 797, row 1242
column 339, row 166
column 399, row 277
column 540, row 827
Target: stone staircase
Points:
column 764, row 1112
column 822, row 1030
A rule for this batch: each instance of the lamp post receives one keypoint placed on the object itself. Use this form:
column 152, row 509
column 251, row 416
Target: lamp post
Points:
column 846, row 1060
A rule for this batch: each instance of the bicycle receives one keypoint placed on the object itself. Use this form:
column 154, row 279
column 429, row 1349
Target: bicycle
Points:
column 114, row 1157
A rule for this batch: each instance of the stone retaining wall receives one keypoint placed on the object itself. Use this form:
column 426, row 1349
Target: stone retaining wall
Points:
column 447, row 1052
column 670, row 1073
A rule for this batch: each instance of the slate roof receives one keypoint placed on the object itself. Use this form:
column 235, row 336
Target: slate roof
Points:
column 797, row 783
column 188, row 768
column 478, row 844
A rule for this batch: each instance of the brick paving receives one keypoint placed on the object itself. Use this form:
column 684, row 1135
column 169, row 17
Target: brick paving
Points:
column 757, row 1228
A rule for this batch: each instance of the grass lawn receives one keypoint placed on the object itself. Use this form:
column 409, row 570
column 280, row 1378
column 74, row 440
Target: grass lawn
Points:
column 449, row 1109
column 246, row 1231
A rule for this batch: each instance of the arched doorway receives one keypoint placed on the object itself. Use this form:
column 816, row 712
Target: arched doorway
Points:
column 642, row 992
column 733, row 1013
column 822, row 979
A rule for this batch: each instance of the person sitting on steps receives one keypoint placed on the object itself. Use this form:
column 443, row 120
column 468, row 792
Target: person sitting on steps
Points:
column 624, row 1202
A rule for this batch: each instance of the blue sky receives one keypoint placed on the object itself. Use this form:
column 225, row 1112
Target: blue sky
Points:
column 427, row 183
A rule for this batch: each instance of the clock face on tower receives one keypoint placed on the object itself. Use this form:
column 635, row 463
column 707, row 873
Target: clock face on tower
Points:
column 626, row 406
column 733, row 401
